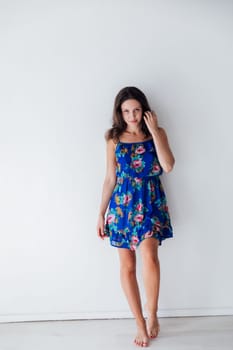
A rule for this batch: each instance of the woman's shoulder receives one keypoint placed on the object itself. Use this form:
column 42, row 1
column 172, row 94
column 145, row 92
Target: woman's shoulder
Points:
column 110, row 136
column 112, row 142
column 111, row 139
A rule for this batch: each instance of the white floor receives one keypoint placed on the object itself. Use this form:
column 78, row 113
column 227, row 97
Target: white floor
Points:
column 181, row 333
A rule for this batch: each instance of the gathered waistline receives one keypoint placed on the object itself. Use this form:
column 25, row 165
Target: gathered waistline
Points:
column 120, row 179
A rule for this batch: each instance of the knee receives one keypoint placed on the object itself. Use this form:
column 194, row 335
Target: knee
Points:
column 128, row 268
column 151, row 259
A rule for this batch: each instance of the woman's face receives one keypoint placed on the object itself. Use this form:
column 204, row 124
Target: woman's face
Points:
column 132, row 112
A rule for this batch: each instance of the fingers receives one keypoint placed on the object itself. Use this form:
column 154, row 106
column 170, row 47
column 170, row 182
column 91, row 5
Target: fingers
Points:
column 151, row 120
column 150, row 114
column 100, row 232
column 100, row 227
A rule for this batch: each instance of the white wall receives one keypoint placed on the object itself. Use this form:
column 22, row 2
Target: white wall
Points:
column 62, row 63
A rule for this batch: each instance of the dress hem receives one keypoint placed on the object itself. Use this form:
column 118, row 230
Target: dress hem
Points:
column 133, row 247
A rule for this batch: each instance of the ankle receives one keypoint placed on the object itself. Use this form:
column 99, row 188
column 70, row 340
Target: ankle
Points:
column 140, row 321
column 152, row 316
column 152, row 312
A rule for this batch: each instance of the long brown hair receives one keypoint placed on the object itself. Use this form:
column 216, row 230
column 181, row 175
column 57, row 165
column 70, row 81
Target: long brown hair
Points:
column 118, row 123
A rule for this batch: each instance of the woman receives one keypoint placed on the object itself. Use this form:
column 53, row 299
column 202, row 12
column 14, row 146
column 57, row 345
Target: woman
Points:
column 137, row 153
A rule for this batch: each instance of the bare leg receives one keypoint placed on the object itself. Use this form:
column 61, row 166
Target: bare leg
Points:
column 131, row 290
column 151, row 277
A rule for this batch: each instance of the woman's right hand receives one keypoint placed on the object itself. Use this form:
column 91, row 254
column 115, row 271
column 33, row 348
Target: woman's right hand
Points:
column 100, row 227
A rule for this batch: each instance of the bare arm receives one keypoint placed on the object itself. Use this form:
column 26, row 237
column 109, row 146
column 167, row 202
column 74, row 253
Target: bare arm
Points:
column 108, row 186
column 166, row 158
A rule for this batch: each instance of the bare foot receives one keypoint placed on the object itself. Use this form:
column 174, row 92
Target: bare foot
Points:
column 153, row 326
column 142, row 338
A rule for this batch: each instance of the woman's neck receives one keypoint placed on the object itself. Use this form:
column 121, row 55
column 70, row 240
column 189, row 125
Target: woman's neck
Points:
column 134, row 132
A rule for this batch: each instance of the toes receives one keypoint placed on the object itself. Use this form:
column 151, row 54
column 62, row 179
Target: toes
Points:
column 140, row 343
column 153, row 331
column 154, row 334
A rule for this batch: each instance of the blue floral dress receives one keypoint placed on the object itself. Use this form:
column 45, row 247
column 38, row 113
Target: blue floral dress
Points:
column 138, row 207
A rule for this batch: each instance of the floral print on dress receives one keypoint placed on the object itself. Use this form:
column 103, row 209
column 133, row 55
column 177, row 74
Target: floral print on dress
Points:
column 137, row 207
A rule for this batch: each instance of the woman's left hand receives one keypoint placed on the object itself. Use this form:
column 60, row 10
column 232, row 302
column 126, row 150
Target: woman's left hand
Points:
column 151, row 121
